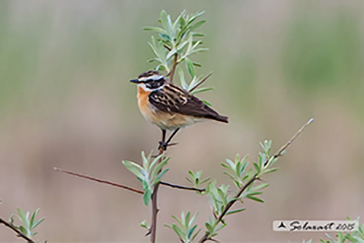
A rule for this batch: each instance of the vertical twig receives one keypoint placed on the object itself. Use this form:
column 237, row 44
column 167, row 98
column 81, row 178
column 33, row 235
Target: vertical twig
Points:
column 173, row 67
column 153, row 228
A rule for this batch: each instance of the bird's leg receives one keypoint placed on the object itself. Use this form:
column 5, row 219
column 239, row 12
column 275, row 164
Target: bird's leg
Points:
column 161, row 142
column 163, row 145
column 163, row 138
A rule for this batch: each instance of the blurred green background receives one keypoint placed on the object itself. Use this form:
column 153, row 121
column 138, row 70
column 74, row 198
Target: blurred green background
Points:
column 66, row 101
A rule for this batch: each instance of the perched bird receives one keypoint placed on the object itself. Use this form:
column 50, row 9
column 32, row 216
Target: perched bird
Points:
column 169, row 106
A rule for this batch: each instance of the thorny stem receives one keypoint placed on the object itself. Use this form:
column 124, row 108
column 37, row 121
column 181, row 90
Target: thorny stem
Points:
column 20, row 234
column 254, row 178
column 98, row 180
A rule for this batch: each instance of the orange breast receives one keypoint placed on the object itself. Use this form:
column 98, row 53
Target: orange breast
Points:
column 143, row 103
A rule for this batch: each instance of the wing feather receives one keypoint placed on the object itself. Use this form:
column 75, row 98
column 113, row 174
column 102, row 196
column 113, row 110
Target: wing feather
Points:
column 174, row 99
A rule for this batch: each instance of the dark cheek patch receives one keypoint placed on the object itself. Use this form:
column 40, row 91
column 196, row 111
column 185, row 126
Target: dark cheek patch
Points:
column 155, row 84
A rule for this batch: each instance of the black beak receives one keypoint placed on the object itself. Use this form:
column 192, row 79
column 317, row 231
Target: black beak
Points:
column 135, row 81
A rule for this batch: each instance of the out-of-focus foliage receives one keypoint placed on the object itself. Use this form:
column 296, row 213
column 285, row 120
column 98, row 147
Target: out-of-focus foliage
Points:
column 356, row 236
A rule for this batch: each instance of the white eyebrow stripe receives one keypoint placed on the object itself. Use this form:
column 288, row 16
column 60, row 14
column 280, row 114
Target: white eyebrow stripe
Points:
column 154, row 77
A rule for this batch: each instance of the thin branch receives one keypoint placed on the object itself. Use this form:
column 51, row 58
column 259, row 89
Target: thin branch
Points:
column 98, row 180
column 173, row 67
column 167, row 47
column 182, row 187
column 20, row 234
column 201, row 82
column 284, row 147
column 254, row 178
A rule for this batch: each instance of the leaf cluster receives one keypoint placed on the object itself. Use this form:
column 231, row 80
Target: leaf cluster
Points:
column 149, row 174
column 28, row 224
column 195, row 179
column 177, row 40
column 185, row 228
column 353, row 237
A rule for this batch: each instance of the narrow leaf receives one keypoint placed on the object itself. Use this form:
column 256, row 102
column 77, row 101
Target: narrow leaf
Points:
column 206, row 102
column 178, row 231
column 255, row 199
column 37, row 223
column 198, row 24
column 235, row 211
column 134, row 168
column 190, row 67
column 159, row 176
column 156, row 29
column 146, row 197
column 200, row 90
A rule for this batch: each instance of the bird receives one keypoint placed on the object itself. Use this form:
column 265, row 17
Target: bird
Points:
column 169, row 106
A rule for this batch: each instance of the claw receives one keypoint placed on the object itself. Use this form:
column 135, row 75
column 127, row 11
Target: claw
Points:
column 164, row 146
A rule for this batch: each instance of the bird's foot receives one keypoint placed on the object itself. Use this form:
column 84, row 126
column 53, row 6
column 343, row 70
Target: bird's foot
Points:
column 164, row 146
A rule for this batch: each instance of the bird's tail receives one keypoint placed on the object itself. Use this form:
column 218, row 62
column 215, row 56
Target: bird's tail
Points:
column 221, row 119
column 217, row 117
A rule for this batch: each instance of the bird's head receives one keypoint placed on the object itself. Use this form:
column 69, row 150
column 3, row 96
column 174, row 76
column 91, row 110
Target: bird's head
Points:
column 150, row 80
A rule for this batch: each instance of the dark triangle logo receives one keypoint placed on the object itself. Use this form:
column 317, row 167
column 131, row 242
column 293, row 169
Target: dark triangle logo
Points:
column 281, row 225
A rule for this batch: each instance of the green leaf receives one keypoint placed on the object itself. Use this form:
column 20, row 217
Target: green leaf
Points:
column 144, row 224
column 261, row 186
column 23, row 230
column 145, row 161
column 155, row 161
column 32, row 219
column 195, row 17
column 200, row 90
column 159, row 167
column 182, row 78
column 165, row 37
column 22, row 217
column 171, row 53
column 257, row 168
column 194, row 236
column 190, row 232
column 181, row 46
column 37, row 223
column 206, row 103
column 190, row 67
column 134, row 168
column 209, row 227
column 204, row 180
column 198, row 34
column 181, row 19
column 146, row 197
column 178, row 231
column 270, row 170
column 235, row 211
column 255, row 199
column 197, row 64
column 198, row 24
column 159, row 176
column 156, row 29
column 199, row 50
column 164, row 20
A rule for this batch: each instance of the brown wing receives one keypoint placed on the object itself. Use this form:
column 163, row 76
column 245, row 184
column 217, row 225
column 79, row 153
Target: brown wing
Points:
column 174, row 99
